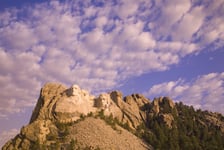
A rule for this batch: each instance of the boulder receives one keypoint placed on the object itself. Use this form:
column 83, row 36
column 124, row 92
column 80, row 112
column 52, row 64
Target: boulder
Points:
column 162, row 104
column 132, row 107
column 162, row 108
column 167, row 119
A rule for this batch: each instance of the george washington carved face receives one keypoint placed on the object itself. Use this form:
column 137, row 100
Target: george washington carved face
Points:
column 74, row 103
column 73, row 91
column 75, row 94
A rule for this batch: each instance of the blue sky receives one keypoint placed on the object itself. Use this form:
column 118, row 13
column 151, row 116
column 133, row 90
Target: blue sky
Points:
column 157, row 48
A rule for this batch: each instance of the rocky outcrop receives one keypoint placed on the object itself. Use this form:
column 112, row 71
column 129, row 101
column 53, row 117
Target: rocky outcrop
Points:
column 162, row 105
column 215, row 119
column 163, row 108
column 37, row 131
column 58, row 104
column 62, row 114
column 134, row 108
column 49, row 95
column 167, row 119
column 130, row 109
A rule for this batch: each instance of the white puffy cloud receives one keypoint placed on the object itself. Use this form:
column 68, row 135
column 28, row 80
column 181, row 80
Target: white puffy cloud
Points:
column 179, row 48
column 127, row 8
column 97, row 47
column 18, row 76
column 16, row 35
column 211, row 31
column 189, row 24
column 171, row 13
column 101, row 21
column 205, row 92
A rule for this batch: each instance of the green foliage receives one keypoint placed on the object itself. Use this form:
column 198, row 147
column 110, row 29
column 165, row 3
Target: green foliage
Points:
column 72, row 145
column 60, row 126
column 37, row 145
column 53, row 134
column 101, row 114
column 111, row 121
column 63, row 130
column 57, row 145
column 140, row 130
column 125, row 126
column 82, row 117
column 189, row 131
column 90, row 114
column 51, row 137
column 90, row 148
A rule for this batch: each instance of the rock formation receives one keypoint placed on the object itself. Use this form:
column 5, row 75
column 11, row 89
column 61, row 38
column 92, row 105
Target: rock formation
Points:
column 58, row 104
column 72, row 104
column 72, row 118
column 163, row 107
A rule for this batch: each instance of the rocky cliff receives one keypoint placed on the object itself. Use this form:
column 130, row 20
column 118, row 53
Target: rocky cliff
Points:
column 72, row 118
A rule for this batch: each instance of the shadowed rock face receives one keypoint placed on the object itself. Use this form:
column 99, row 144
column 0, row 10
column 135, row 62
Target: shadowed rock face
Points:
column 49, row 95
column 162, row 104
column 163, row 107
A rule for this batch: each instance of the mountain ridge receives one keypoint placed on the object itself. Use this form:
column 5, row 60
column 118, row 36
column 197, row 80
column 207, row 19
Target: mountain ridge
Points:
column 61, row 113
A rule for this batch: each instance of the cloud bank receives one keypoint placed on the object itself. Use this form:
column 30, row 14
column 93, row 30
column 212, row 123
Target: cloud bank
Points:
column 205, row 92
column 98, row 44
